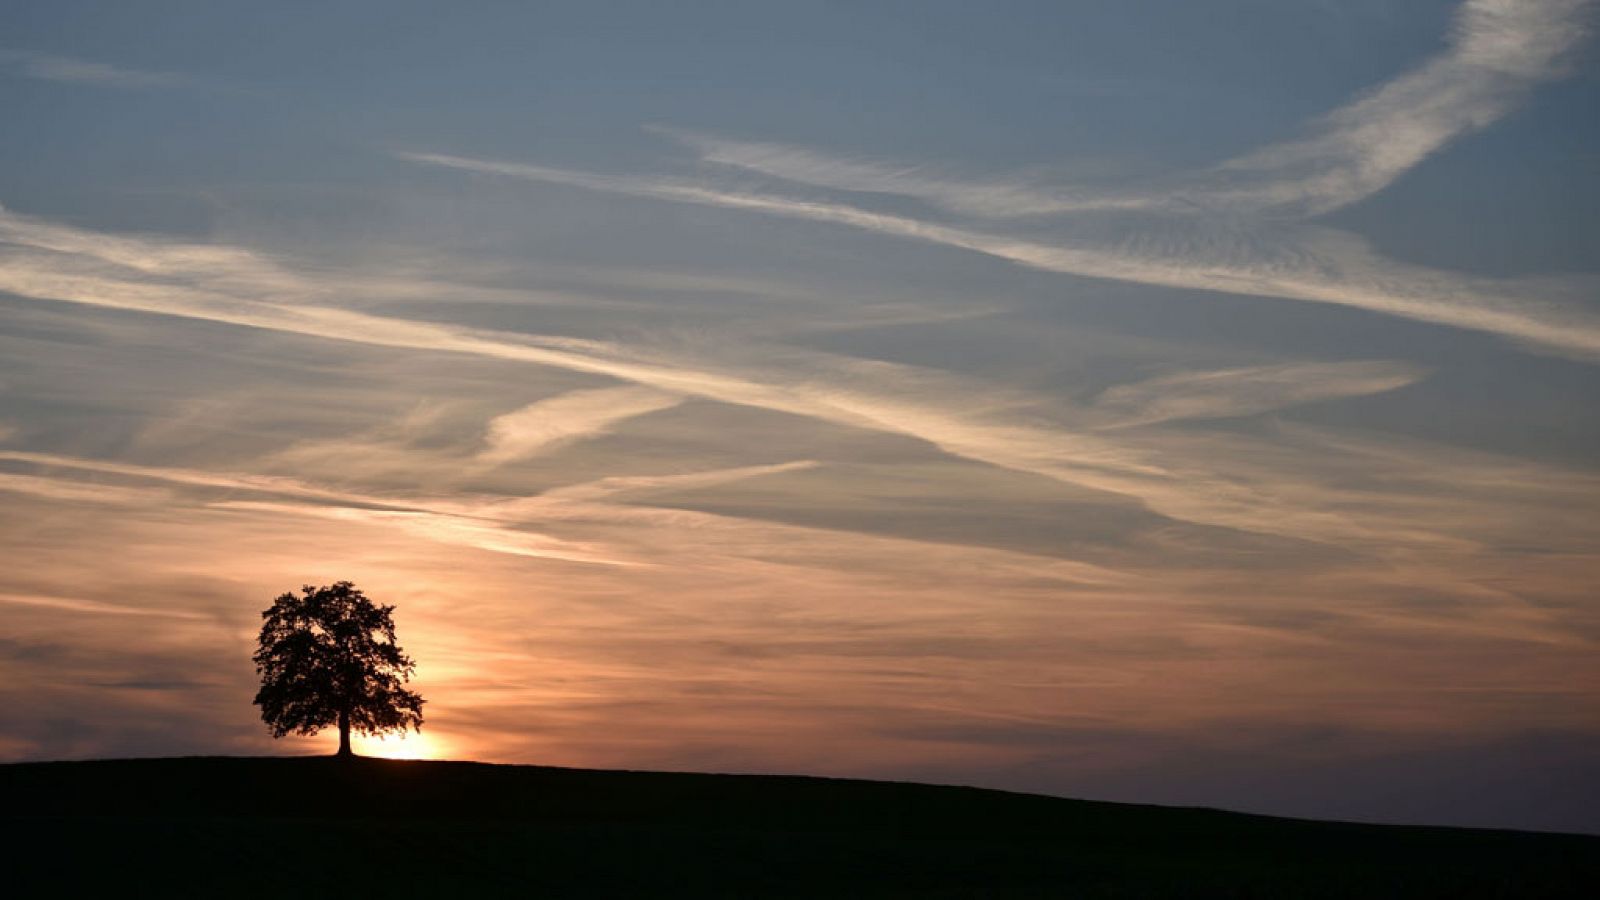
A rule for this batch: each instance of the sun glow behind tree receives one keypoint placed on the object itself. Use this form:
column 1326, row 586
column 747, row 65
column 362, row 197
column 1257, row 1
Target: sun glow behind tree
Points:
column 412, row 745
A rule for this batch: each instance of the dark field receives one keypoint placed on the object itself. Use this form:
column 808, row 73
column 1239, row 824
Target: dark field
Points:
column 223, row 827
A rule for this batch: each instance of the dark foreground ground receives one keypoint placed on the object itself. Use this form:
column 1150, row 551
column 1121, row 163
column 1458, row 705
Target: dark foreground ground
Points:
column 306, row 827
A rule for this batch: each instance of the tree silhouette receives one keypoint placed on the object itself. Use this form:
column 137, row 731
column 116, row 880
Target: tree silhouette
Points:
column 329, row 657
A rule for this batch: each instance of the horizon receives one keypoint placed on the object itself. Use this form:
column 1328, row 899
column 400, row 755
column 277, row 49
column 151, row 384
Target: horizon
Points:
column 1155, row 402
column 336, row 762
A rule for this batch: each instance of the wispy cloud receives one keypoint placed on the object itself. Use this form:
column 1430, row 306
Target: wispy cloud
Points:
column 563, row 419
column 432, row 518
column 1057, row 455
column 452, row 530
column 94, row 607
column 1321, row 267
column 266, row 484
column 989, row 199
column 45, row 67
column 1498, row 50
column 496, row 524
column 1237, row 392
column 944, row 411
column 76, row 492
column 1220, row 229
column 636, row 485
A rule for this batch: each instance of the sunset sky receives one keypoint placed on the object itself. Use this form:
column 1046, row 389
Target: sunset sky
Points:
column 1150, row 400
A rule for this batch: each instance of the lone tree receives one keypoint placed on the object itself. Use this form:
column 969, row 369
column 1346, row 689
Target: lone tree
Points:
column 329, row 657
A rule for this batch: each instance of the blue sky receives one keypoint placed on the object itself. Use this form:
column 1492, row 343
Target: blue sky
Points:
column 1177, row 402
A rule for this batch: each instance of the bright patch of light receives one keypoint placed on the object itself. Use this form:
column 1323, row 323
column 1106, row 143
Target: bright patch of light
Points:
column 412, row 745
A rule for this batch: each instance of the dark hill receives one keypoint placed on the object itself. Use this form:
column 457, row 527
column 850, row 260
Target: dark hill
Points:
column 298, row 827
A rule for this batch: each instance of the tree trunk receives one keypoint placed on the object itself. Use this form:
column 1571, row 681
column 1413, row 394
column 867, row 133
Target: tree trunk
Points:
column 344, row 733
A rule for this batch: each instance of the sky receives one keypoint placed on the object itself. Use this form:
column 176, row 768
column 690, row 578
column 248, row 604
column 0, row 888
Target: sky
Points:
column 1151, row 400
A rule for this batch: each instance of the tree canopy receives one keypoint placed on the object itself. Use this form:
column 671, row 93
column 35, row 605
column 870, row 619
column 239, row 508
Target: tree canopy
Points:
column 328, row 657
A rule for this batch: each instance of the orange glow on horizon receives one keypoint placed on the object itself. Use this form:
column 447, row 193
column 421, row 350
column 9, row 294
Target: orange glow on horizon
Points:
column 411, row 745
